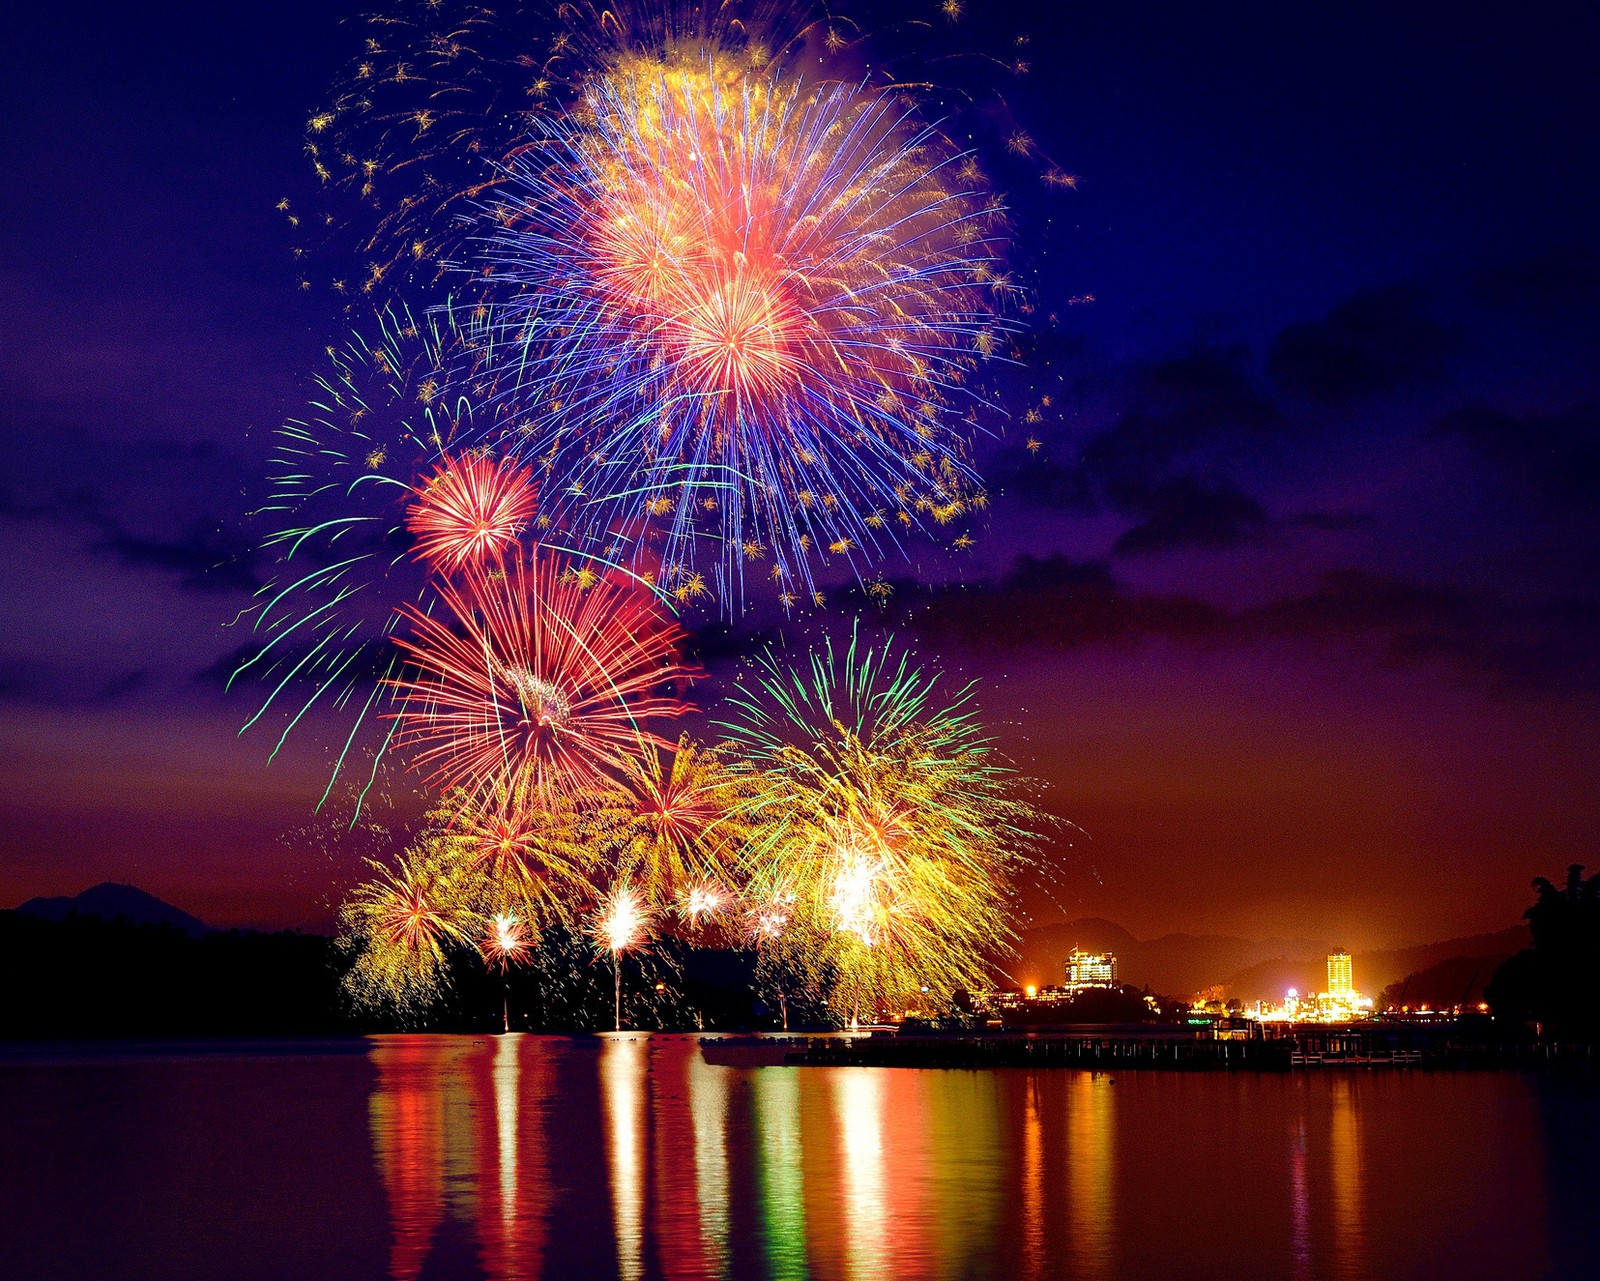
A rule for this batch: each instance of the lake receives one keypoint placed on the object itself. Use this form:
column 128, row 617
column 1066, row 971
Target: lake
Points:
column 628, row 1156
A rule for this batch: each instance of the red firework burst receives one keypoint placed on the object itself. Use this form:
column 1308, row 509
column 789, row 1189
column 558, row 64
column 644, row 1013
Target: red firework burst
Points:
column 502, row 839
column 533, row 685
column 470, row 511
column 505, row 941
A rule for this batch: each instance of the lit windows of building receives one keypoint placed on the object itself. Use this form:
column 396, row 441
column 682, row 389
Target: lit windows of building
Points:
column 1090, row 969
column 1341, row 979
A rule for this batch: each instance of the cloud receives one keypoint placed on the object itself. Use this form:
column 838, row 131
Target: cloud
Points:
column 1375, row 342
column 1177, row 411
column 204, row 560
column 1054, row 604
column 120, row 687
column 1189, row 512
column 1351, row 602
column 1176, row 406
column 1561, row 283
column 1556, row 459
column 30, row 682
column 1330, row 522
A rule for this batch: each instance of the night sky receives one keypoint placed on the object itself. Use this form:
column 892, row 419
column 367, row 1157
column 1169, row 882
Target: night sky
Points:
column 1295, row 610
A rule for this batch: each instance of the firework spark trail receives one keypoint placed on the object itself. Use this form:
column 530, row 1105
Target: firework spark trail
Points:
column 469, row 512
column 884, row 832
column 539, row 859
column 747, row 308
column 505, row 941
column 671, row 825
column 537, row 684
column 622, row 922
column 406, row 918
column 342, row 476
column 444, row 92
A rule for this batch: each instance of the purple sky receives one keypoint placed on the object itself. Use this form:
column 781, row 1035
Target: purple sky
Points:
column 1295, row 611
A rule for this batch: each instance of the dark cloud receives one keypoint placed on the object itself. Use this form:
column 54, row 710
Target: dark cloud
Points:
column 1375, row 342
column 1042, row 481
column 1174, row 410
column 1329, row 522
column 41, row 684
column 1352, row 602
column 1560, row 283
column 1549, row 646
column 205, row 560
column 1177, row 406
column 1057, row 603
column 1189, row 512
column 1054, row 604
column 1556, row 459
column 68, row 505
column 120, row 687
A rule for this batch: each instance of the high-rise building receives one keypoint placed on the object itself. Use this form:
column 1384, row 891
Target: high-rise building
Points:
column 1091, row 969
column 1341, row 978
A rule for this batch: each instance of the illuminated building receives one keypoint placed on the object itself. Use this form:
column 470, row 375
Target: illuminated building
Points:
column 1341, row 979
column 1090, row 969
column 1341, row 1003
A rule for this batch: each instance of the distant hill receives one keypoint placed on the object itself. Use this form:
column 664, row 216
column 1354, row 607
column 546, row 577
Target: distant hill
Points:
column 1375, row 970
column 1182, row 964
column 1174, row 964
column 110, row 901
column 1458, row 980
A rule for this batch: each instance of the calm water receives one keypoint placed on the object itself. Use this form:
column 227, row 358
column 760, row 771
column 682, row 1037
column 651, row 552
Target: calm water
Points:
column 521, row 1157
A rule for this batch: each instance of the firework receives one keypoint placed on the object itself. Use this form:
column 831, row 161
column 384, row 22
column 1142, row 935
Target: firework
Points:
column 536, row 686
column 442, row 93
column 505, row 941
column 623, row 921
column 767, row 920
column 469, row 512
column 537, row 860
column 405, row 921
column 622, row 924
column 745, row 312
column 702, row 903
column 884, row 832
column 671, row 827
column 343, row 474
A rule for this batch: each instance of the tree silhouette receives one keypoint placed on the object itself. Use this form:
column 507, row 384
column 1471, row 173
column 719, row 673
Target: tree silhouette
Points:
column 1555, row 984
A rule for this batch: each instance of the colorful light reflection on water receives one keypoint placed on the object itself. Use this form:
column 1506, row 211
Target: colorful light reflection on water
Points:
column 627, row 1156
column 859, row 1174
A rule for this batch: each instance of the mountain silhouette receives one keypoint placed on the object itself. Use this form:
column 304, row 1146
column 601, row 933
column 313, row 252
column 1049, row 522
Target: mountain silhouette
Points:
column 1250, row 969
column 110, row 901
column 1173, row 964
column 1373, row 971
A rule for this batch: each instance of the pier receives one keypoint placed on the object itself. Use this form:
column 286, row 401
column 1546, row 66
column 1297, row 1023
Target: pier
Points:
column 1159, row 1048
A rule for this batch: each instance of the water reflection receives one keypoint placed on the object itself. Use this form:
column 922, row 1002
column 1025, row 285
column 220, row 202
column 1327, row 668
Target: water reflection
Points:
column 1299, row 1205
column 776, row 1098
column 1344, row 1151
column 708, row 1109
column 622, row 1068
column 861, row 1117
column 1033, row 1185
column 408, row 1134
column 1091, row 1132
column 629, row 1157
